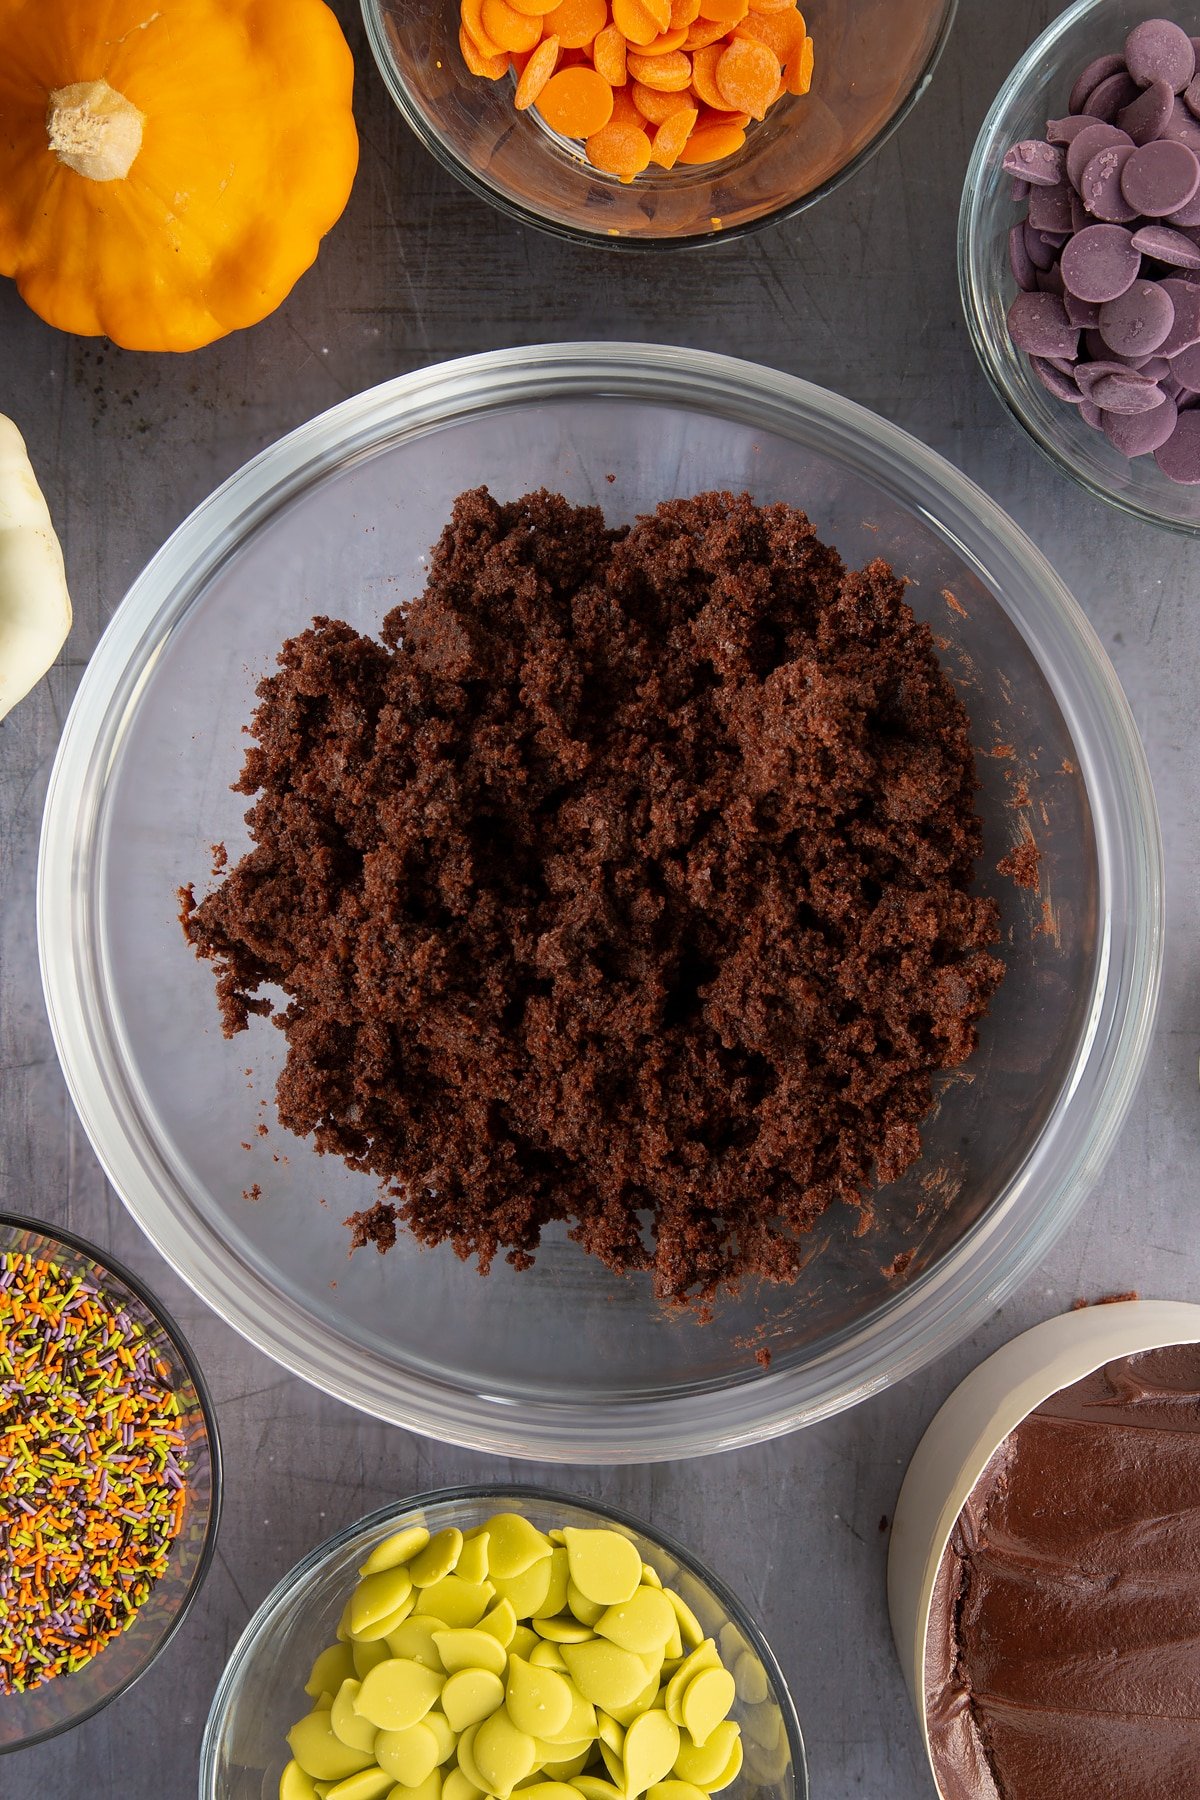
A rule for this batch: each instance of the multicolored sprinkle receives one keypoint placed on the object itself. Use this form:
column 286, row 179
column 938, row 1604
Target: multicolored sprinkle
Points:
column 92, row 1470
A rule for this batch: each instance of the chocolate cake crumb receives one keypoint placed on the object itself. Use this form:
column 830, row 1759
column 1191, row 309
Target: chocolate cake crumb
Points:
column 1105, row 1300
column 625, row 882
column 1021, row 865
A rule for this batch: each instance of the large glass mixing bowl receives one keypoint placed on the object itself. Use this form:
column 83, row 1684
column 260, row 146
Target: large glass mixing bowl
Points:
column 566, row 1361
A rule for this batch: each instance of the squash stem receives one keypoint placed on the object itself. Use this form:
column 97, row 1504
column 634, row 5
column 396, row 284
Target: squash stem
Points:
column 94, row 130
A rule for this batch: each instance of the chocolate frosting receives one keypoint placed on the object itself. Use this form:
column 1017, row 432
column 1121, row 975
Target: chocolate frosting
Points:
column 1063, row 1655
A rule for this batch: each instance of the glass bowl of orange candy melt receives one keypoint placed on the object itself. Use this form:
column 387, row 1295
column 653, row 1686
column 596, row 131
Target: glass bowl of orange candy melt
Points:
column 641, row 123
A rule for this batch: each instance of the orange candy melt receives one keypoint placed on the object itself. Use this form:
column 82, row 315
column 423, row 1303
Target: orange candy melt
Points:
column 620, row 150
column 577, row 102
column 642, row 81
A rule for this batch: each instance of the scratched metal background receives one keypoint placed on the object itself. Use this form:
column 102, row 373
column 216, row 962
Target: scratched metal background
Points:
column 860, row 295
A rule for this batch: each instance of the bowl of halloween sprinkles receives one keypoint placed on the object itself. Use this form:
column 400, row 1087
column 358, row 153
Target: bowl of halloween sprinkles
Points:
column 502, row 1641
column 109, row 1481
column 651, row 122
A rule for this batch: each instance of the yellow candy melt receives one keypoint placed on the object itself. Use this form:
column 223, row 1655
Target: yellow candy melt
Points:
column 469, row 1697
column 470, row 1648
column 320, row 1752
column 702, row 1766
column 514, row 1545
column 606, row 1676
column 398, row 1693
column 377, row 1597
column 512, row 1663
column 539, row 1701
column 472, row 1564
column 294, row 1784
column 706, row 1702
column 396, row 1549
column 330, row 1670
column 454, row 1601
column 651, row 1746
column 410, row 1756
column 348, row 1724
column 605, row 1567
column 503, row 1754
column 368, row 1784
column 438, row 1558
column 643, row 1624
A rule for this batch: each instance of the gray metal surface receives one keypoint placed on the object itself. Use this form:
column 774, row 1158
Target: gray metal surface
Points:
column 860, row 295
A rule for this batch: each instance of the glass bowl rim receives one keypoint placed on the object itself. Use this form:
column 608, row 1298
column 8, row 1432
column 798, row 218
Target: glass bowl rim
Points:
column 936, row 1308
column 313, row 1560
column 1024, row 76
column 578, row 234
column 110, row 1265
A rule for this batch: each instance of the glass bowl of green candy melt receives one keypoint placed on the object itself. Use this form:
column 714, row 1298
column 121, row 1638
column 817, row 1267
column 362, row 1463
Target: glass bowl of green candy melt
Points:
column 110, row 1480
column 502, row 1641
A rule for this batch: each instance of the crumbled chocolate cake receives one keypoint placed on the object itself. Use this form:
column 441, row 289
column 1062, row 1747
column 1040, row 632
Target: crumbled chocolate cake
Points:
column 625, row 882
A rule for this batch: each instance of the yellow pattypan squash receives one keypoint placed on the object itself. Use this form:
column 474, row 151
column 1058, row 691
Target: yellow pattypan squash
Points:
column 169, row 167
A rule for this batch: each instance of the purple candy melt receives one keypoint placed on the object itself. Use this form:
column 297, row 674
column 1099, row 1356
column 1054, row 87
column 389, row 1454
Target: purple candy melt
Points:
column 1125, row 393
column 1055, row 381
column 1050, row 281
column 1087, row 144
column 1160, row 177
column 1145, row 117
column 1092, row 414
column 1191, row 97
column 1186, row 215
column 1137, row 322
column 1062, row 131
column 1137, row 434
column 1038, row 324
column 1041, row 254
column 1186, row 330
column 1100, row 185
column 1167, row 246
column 1084, row 313
column 1111, row 97
column 1186, row 367
column 1179, row 457
column 1092, row 76
column 1160, row 51
column 1182, row 128
column 1050, row 209
column 1100, row 263
column 1020, row 262
column 1044, row 165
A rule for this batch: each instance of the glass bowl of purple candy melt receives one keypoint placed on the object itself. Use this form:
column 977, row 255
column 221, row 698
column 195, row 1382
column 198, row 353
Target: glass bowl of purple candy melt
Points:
column 1091, row 443
column 78, row 1385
